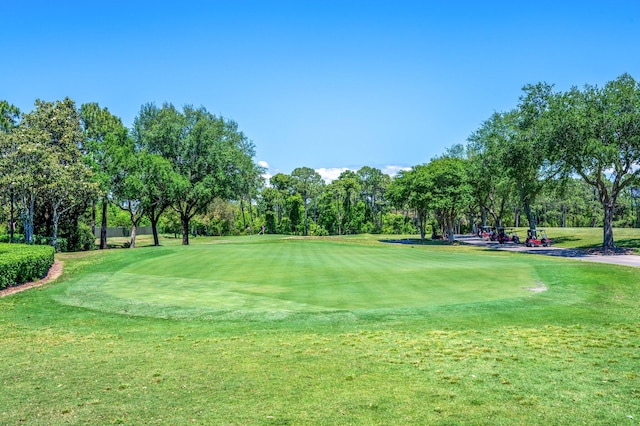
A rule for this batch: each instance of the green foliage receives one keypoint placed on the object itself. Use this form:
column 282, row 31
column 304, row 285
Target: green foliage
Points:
column 83, row 239
column 397, row 224
column 20, row 263
column 208, row 156
column 38, row 240
column 9, row 116
column 595, row 133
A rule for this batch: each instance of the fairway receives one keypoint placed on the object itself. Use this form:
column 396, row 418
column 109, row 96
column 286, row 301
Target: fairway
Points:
column 295, row 275
column 272, row 330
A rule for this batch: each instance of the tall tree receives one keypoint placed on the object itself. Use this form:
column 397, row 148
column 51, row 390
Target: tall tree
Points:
column 22, row 156
column 374, row 183
column 350, row 186
column 9, row 116
column 411, row 188
column 308, row 183
column 283, row 184
column 595, row 132
column 159, row 181
column 447, row 190
column 204, row 150
column 104, row 135
column 525, row 152
column 492, row 184
column 45, row 161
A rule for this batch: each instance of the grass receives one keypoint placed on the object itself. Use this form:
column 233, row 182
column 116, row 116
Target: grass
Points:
column 254, row 330
column 590, row 237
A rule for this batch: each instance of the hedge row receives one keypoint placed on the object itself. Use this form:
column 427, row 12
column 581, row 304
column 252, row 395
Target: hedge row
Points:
column 38, row 240
column 21, row 263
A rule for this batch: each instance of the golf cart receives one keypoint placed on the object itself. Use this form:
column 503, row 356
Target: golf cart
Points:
column 486, row 232
column 537, row 238
column 507, row 236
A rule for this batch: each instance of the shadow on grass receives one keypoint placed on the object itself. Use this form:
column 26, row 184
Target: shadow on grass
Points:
column 628, row 243
column 562, row 240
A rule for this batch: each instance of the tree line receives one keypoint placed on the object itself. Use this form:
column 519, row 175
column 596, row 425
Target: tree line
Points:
column 558, row 158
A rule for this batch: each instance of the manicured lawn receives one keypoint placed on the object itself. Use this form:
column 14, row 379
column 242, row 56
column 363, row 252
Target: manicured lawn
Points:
column 273, row 330
column 590, row 237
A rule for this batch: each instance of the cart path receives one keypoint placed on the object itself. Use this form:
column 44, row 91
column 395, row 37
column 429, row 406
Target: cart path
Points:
column 54, row 272
column 614, row 259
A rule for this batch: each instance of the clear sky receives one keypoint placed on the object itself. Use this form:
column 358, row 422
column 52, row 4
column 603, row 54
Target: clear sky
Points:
column 321, row 84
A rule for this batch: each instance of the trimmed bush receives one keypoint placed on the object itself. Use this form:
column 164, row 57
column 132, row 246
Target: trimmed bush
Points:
column 20, row 263
column 38, row 240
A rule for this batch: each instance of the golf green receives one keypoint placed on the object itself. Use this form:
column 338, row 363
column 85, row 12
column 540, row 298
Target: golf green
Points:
column 297, row 275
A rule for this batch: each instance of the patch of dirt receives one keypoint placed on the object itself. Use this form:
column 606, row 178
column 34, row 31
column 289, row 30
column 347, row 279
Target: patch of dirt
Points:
column 54, row 272
column 610, row 252
column 539, row 288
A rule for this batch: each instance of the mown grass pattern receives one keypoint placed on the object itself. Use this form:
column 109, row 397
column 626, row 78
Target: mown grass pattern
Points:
column 569, row 355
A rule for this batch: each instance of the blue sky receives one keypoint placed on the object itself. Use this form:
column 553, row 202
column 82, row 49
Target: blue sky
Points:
column 321, row 84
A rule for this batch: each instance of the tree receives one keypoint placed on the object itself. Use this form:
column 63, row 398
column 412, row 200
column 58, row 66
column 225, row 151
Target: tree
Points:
column 492, row 184
column 283, row 184
column 374, row 184
column 104, row 134
column 411, row 188
column 447, row 190
column 9, row 116
column 43, row 161
column 350, row 185
column 307, row 183
column 22, row 155
column 595, row 133
column 525, row 153
column 129, row 183
column 158, row 179
column 206, row 153
column 68, row 179
column 515, row 144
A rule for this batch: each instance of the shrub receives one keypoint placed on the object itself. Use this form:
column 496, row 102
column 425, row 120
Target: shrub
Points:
column 21, row 263
column 38, row 240
column 80, row 240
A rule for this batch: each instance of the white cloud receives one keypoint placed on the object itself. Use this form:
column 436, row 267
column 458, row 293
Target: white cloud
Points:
column 393, row 170
column 264, row 164
column 331, row 173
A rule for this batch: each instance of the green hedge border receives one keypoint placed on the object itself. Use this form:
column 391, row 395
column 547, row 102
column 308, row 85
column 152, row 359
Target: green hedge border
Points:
column 21, row 263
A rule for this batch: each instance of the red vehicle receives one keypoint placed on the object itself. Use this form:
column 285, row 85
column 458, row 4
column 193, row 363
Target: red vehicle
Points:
column 507, row 236
column 486, row 232
column 537, row 238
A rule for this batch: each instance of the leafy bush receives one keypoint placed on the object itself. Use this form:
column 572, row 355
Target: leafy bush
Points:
column 21, row 263
column 317, row 230
column 38, row 240
column 80, row 240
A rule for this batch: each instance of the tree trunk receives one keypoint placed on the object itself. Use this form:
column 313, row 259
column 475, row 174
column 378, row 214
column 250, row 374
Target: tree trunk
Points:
column 422, row 224
column 93, row 218
column 530, row 217
column 516, row 215
column 184, row 219
column 54, row 237
column 134, row 228
column 450, row 232
column 154, row 229
column 26, row 213
column 608, row 242
column 103, row 226
column 306, row 224
column 244, row 221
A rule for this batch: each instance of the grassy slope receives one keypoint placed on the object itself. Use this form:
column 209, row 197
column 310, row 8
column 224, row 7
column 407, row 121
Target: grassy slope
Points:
column 570, row 355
